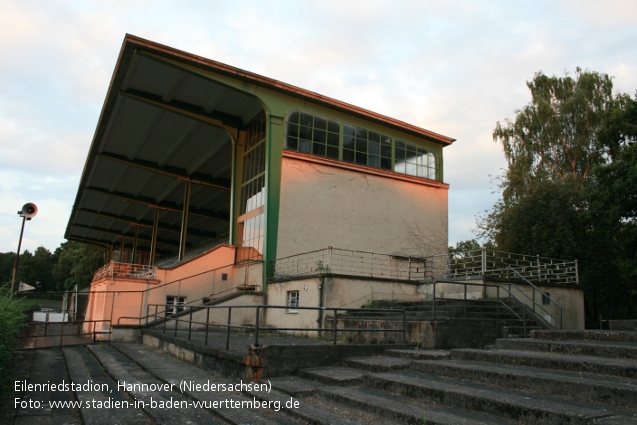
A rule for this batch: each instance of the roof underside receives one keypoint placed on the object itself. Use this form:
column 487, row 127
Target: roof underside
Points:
column 160, row 126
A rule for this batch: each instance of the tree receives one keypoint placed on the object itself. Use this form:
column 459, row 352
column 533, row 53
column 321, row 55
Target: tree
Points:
column 76, row 264
column 570, row 126
column 556, row 150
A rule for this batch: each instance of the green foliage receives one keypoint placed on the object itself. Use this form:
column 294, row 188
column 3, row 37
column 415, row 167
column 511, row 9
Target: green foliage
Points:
column 569, row 188
column 76, row 264
column 12, row 318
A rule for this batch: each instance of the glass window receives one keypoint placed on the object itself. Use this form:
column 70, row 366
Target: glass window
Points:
column 320, row 136
column 312, row 134
column 293, row 302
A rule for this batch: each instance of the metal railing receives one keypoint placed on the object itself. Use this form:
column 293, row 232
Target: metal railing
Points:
column 456, row 265
column 196, row 304
column 258, row 327
column 488, row 262
column 513, row 292
column 35, row 331
column 351, row 263
column 125, row 270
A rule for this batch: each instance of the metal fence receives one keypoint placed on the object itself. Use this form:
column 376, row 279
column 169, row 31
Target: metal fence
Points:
column 458, row 265
column 500, row 264
column 351, row 263
column 125, row 270
column 257, row 327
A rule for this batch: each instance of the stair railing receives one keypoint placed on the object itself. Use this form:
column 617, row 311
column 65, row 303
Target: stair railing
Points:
column 536, row 306
column 499, row 301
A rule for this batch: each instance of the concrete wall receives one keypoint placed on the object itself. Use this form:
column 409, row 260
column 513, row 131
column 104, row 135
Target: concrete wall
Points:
column 569, row 297
column 125, row 300
column 340, row 292
column 334, row 204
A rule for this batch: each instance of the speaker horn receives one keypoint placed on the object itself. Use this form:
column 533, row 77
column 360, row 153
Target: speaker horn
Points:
column 29, row 210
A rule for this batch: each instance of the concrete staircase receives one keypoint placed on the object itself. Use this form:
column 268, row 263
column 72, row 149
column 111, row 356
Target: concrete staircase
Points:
column 586, row 377
column 447, row 323
column 546, row 380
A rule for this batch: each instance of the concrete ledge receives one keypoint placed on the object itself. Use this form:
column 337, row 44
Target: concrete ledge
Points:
column 623, row 325
column 284, row 357
column 587, row 335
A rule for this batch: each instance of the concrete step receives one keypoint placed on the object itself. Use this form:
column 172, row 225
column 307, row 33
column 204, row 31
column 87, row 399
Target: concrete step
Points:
column 617, row 350
column 169, row 370
column 377, row 364
column 554, row 361
column 387, row 406
column 581, row 386
column 511, row 405
column 46, row 366
column 588, row 335
column 333, row 375
column 162, row 402
column 418, row 354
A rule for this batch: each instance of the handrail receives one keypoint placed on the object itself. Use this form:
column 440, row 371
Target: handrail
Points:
column 62, row 325
column 511, row 295
column 180, row 306
column 544, row 294
column 257, row 327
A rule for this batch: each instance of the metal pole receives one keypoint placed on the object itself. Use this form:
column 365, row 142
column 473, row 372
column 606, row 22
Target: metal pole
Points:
column 256, row 331
column 190, row 324
column 17, row 257
column 334, row 325
column 184, row 222
column 228, row 329
column 153, row 241
column 207, row 326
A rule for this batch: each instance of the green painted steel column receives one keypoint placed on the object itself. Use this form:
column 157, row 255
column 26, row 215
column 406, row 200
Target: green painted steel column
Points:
column 184, row 222
column 274, row 153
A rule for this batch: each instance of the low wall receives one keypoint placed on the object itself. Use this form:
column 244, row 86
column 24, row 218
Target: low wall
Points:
column 449, row 333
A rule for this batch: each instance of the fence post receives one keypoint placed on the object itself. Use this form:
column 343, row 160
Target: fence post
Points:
column 329, row 259
column 334, row 325
column 484, row 262
column 409, row 269
column 539, row 271
column 256, row 331
column 228, row 328
column 190, row 324
column 372, row 271
column 433, row 305
column 576, row 272
column 207, row 321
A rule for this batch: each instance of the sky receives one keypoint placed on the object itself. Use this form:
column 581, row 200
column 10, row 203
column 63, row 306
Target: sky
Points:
column 452, row 67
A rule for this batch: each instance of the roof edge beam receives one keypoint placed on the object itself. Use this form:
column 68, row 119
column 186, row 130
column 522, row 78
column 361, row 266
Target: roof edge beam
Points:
column 147, row 223
column 216, row 118
column 178, row 173
column 168, row 206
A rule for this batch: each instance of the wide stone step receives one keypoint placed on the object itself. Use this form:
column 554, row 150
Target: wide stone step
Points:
column 418, row 354
column 581, row 386
column 161, row 402
column 511, row 405
column 333, row 375
column 82, row 367
column 222, row 401
column 609, row 366
column 617, row 350
column 377, row 364
column 392, row 407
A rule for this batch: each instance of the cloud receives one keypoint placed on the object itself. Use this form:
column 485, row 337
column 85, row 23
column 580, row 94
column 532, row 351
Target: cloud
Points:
column 455, row 68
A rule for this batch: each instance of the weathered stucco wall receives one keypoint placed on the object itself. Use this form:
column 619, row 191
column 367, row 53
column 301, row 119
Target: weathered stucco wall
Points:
column 327, row 204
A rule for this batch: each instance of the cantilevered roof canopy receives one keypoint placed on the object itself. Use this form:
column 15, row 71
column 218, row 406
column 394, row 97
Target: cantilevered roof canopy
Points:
column 169, row 119
column 161, row 126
